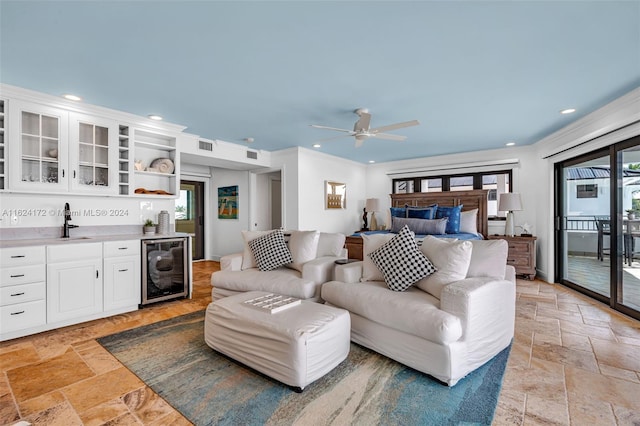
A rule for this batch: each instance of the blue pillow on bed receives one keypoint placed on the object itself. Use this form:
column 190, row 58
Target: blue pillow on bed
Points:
column 453, row 214
column 422, row 212
column 398, row 212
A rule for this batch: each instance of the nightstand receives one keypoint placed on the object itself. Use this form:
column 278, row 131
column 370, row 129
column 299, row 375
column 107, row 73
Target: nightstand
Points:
column 522, row 254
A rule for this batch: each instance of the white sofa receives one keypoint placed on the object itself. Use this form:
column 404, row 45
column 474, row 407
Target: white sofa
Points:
column 446, row 337
column 314, row 255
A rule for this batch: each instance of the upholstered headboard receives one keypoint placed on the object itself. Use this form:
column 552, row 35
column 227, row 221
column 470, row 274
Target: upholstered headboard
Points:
column 476, row 199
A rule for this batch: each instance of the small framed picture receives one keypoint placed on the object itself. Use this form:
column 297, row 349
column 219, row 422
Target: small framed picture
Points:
column 335, row 194
column 228, row 202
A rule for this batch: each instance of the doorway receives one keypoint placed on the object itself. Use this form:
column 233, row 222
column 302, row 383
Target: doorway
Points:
column 598, row 225
column 189, row 214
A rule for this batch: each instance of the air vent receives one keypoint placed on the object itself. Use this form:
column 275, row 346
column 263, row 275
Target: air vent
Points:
column 206, row 146
column 252, row 154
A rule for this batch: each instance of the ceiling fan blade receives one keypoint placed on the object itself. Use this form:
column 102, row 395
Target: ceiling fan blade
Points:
column 363, row 123
column 389, row 137
column 330, row 128
column 394, row 126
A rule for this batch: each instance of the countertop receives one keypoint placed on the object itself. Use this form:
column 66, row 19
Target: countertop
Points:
column 86, row 239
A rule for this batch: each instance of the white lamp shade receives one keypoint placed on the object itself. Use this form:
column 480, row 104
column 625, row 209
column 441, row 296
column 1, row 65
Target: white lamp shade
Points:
column 372, row 205
column 509, row 202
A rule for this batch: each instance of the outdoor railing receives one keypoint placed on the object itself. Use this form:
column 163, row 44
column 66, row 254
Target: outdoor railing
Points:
column 580, row 223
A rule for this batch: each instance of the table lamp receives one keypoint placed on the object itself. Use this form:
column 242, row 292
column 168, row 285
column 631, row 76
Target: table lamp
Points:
column 510, row 202
column 373, row 205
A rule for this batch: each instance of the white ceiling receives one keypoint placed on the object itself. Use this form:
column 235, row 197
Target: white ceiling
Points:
column 476, row 74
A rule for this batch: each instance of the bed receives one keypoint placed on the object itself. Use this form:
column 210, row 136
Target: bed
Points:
column 470, row 200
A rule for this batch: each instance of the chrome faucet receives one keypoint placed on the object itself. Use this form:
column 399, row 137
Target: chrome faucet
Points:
column 67, row 218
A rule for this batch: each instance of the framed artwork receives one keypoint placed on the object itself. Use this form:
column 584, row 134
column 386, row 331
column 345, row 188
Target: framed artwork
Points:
column 228, row 202
column 335, row 194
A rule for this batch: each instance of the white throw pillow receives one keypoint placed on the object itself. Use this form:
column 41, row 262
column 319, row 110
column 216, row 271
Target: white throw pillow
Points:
column 488, row 258
column 303, row 246
column 401, row 261
column 469, row 221
column 248, row 261
column 330, row 244
column 371, row 242
column 451, row 258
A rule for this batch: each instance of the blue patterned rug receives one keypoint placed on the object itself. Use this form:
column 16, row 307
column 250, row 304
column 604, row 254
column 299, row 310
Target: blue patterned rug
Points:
column 172, row 358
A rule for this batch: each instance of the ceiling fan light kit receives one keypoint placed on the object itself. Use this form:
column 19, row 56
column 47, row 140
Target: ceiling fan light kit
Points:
column 362, row 131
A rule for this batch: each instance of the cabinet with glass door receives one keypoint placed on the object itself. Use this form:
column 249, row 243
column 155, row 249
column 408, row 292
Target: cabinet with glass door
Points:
column 39, row 158
column 94, row 154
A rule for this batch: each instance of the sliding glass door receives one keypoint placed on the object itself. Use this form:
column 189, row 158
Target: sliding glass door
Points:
column 598, row 225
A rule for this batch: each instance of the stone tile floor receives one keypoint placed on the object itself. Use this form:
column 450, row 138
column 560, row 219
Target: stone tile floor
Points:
column 573, row 361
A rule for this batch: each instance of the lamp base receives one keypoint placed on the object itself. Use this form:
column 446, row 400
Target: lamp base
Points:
column 509, row 228
column 374, row 222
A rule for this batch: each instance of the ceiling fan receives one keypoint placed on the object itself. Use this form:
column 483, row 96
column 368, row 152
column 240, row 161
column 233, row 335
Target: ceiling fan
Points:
column 362, row 132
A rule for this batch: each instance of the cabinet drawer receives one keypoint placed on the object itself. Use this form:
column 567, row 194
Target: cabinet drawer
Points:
column 73, row 252
column 22, row 293
column 519, row 261
column 121, row 248
column 522, row 248
column 22, row 275
column 20, row 256
column 22, row 315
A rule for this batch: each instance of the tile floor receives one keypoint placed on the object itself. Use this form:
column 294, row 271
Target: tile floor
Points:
column 573, row 361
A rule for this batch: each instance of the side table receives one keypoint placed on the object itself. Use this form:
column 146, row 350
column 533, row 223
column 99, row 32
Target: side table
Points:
column 522, row 254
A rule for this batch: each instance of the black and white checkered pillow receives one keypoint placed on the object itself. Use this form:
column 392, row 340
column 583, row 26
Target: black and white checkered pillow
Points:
column 401, row 261
column 270, row 251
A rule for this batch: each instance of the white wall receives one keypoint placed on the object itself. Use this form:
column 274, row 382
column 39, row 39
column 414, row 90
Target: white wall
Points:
column 225, row 236
column 314, row 169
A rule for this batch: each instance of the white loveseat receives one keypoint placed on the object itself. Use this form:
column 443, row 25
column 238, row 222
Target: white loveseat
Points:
column 448, row 336
column 314, row 255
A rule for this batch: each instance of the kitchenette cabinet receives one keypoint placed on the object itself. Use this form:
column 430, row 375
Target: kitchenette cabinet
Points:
column 74, row 281
column 60, row 147
column 39, row 156
column 22, row 288
column 121, row 274
column 50, row 286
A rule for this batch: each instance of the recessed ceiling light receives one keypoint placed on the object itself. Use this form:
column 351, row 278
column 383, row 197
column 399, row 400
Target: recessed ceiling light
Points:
column 72, row 97
column 510, row 143
column 568, row 111
column 316, row 145
column 371, row 161
column 155, row 117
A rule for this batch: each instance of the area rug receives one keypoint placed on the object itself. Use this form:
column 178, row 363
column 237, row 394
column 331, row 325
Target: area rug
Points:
column 172, row 358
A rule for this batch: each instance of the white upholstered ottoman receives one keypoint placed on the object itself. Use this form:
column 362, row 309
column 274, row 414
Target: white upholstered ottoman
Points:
column 295, row 346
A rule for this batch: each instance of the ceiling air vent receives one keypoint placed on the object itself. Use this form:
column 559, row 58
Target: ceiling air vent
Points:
column 206, row 146
column 252, row 154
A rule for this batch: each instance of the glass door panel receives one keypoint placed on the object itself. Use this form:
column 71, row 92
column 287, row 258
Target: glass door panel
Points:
column 585, row 225
column 189, row 214
column 628, row 292
column 40, row 148
column 93, row 154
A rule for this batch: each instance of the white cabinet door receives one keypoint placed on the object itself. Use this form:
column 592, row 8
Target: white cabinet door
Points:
column 93, row 143
column 121, row 282
column 74, row 289
column 39, row 156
